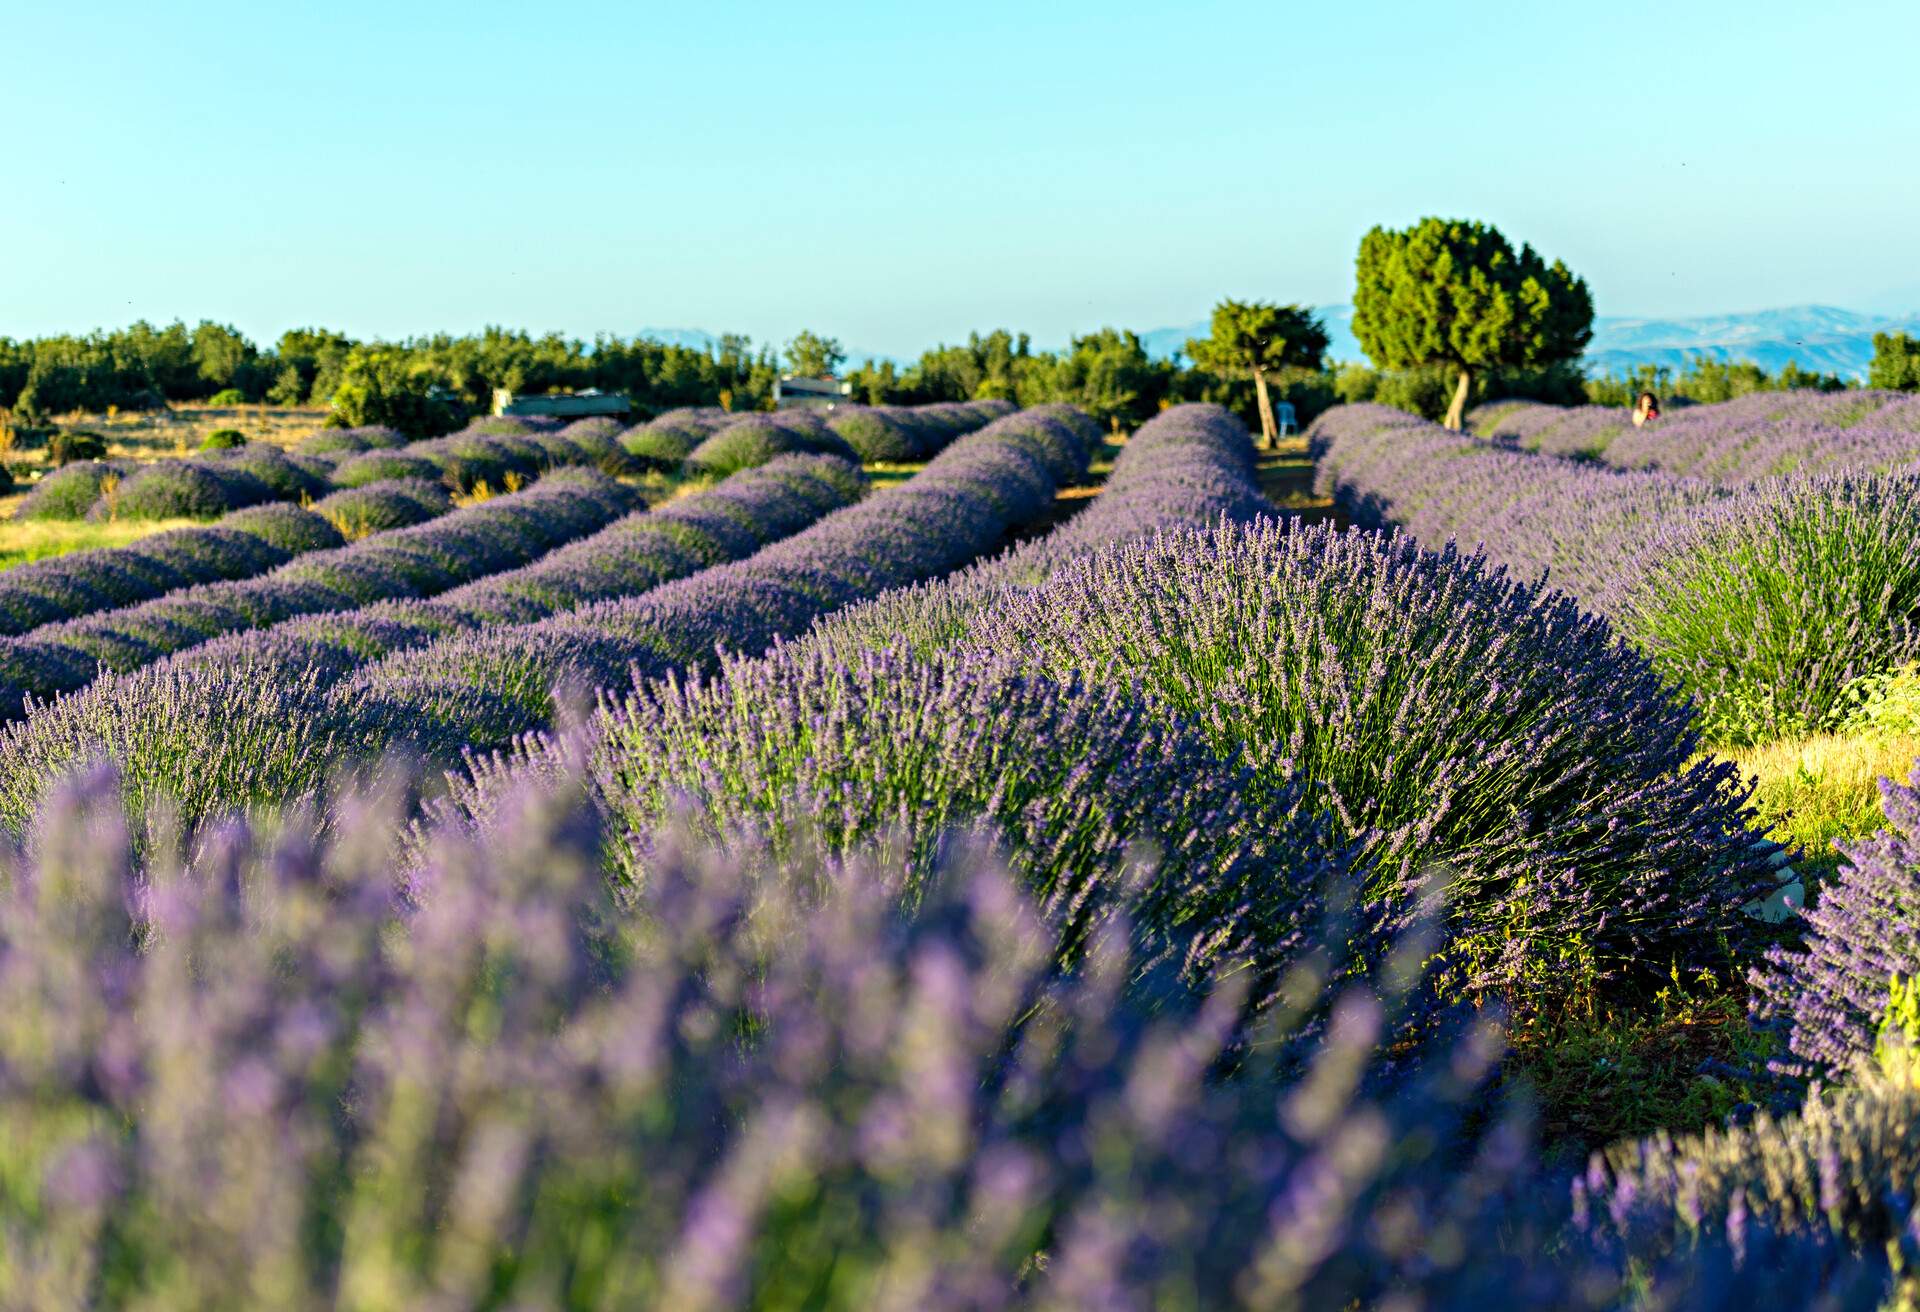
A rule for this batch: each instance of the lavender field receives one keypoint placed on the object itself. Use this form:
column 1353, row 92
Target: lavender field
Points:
column 461, row 876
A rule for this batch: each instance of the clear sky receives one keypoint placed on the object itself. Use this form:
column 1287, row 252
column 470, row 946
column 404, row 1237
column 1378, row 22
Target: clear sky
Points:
column 895, row 174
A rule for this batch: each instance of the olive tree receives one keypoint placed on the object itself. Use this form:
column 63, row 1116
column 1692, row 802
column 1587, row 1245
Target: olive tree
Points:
column 1254, row 337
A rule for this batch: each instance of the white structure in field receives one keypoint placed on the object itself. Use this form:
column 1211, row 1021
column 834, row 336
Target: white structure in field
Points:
column 791, row 391
column 563, row 405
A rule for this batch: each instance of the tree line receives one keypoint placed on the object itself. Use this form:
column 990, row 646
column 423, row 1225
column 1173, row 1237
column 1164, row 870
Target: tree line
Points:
column 430, row 384
column 1448, row 311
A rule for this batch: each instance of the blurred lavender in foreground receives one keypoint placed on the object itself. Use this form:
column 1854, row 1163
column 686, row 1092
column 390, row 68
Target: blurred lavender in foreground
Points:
column 259, row 1077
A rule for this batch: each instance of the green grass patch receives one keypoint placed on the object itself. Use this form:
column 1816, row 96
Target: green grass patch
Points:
column 892, row 475
column 1810, row 792
column 22, row 541
column 1627, row 1065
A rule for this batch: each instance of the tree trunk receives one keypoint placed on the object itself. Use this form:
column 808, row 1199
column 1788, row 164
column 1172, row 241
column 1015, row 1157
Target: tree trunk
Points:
column 1269, row 430
column 1457, row 412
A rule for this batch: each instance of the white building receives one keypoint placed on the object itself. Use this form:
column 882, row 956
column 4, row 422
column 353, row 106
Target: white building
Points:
column 791, row 391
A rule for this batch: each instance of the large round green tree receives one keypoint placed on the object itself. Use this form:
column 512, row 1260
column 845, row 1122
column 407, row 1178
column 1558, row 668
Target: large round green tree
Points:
column 1455, row 293
column 1253, row 337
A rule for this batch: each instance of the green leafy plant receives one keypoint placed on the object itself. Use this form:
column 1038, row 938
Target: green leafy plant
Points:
column 223, row 439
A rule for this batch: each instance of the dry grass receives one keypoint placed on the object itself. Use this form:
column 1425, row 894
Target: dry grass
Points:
column 153, row 435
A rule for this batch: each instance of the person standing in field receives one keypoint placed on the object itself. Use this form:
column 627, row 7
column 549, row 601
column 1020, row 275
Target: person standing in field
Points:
column 1646, row 407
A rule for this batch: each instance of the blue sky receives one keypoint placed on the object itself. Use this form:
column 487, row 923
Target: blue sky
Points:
column 898, row 174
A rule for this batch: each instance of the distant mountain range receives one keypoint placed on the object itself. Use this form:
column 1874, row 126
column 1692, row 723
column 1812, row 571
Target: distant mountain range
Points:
column 1824, row 338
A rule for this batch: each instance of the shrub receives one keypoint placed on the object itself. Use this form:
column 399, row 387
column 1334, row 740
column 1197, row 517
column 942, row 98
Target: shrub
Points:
column 1768, row 608
column 371, row 632
column 295, row 1088
column 1444, row 716
column 1189, row 467
column 223, row 439
column 227, row 396
column 875, row 435
column 65, row 448
column 346, row 441
column 741, row 445
column 503, row 425
column 199, row 555
column 40, row 670
column 1839, row 1171
column 514, row 671
column 288, row 478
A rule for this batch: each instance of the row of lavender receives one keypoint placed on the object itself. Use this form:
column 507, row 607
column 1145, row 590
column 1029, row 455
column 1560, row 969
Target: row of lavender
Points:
column 715, row 441
column 385, row 483
column 241, row 545
column 475, row 666
column 1758, row 436
column 455, row 548
column 1774, row 605
column 809, row 1046
column 965, row 502
column 496, row 453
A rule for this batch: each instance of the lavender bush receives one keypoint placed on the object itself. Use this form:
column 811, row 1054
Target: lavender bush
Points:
column 376, row 507
column 180, row 489
column 287, row 477
column 1862, row 933
column 1762, row 604
column 756, row 439
column 347, row 441
column 243, row 544
column 1769, row 606
column 189, row 742
column 1069, row 774
column 657, row 450
column 69, row 491
column 1837, row 1174
column 383, row 466
column 1188, row 467
column 289, row 528
column 1444, row 714
column 876, row 435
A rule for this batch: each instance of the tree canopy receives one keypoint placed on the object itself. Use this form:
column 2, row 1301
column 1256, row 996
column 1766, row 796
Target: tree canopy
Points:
column 1455, row 292
column 1258, row 338
column 810, row 355
column 1896, row 362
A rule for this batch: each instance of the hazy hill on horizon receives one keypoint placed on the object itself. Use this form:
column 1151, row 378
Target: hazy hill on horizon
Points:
column 1824, row 338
